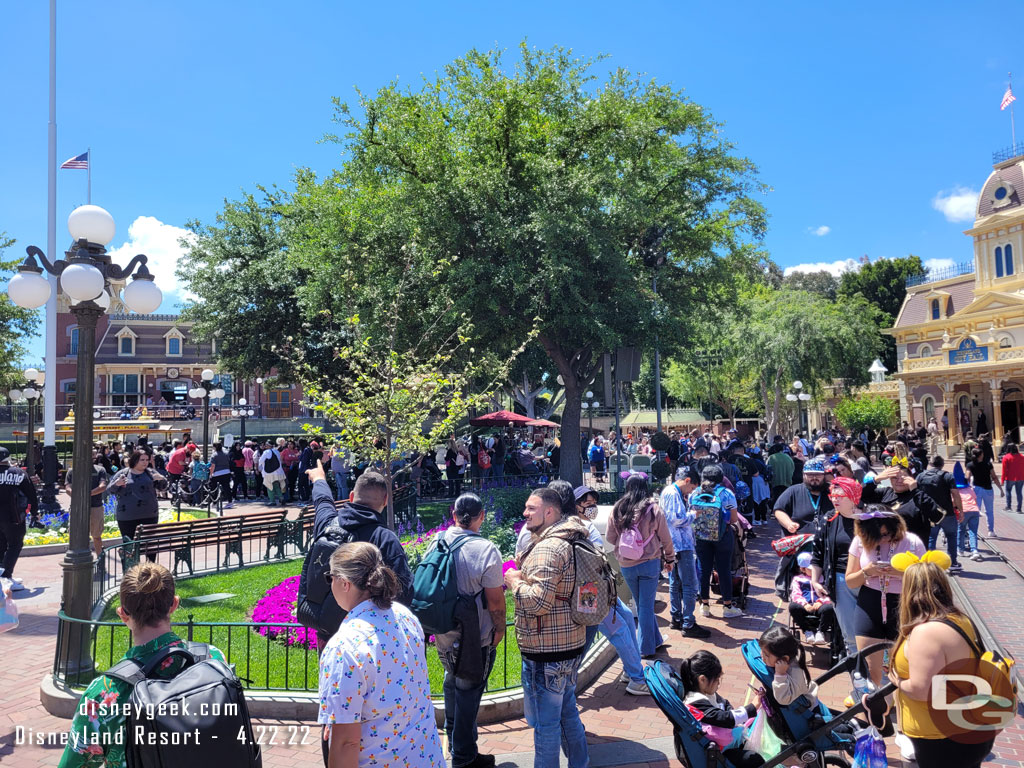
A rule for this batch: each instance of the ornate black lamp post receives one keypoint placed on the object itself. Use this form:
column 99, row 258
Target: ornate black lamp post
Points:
column 30, row 393
column 242, row 413
column 205, row 391
column 85, row 274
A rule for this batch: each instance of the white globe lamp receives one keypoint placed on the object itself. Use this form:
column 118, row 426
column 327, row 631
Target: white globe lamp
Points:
column 242, row 401
column 195, row 393
column 29, row 289
column 208, row 374
column 143, row 296
column 30, row 393
column 15, row 394
column 217, row 394
column 31, row 374
column 81, row 282
column 798, row 384
column 91, row 223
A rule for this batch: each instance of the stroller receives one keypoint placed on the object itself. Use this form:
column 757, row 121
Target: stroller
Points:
column 740, row 571
column 787, row 549
column 808, row 731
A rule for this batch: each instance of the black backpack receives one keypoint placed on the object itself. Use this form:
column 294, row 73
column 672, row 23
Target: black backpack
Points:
column 315, row 606
column 272, row 464
column 203, row 702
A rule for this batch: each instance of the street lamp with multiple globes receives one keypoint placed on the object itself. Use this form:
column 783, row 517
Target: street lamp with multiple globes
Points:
column 30, row 393
column 206, row 390
column 799, row 397
column 589, row 405
column 85, row 274
column 243, row 413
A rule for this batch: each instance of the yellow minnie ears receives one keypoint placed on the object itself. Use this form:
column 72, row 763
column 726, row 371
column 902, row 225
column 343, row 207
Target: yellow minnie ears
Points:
column 904, row 560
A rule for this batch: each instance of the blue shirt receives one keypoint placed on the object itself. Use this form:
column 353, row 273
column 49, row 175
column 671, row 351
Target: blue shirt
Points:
column 679, row 519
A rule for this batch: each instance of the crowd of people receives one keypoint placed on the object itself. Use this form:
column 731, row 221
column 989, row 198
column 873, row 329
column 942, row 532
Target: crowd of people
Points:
column 865, row 572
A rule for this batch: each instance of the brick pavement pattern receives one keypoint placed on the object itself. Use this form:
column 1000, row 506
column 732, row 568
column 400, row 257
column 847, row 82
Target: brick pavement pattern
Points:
column 609, row 714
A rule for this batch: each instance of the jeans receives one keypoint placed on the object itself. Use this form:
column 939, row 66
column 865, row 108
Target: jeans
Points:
column 549, row 704
column 1012, row 485
column 986, row 501
column 682, row 588
column 461, row 705
column 642, row 581
column 341, row 483
column 951, row 528
column 969, row 531
column 620, row 629
column 715, row 555
column 846, row 607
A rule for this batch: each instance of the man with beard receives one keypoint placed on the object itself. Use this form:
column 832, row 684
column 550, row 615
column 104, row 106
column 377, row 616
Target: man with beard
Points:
column 805, row 503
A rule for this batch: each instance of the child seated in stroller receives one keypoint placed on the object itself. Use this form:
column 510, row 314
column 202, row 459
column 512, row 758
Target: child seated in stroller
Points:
column 811, row 612
column 701, row 674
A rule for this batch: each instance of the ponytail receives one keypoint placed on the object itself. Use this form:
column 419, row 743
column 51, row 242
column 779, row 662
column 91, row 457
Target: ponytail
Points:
column 702, row 663
column 383, row 585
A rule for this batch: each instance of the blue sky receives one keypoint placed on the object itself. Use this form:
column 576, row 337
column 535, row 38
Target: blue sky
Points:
column 874, row 126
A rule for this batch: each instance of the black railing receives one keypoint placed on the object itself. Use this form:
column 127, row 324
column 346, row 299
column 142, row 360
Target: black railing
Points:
column 1016, row 150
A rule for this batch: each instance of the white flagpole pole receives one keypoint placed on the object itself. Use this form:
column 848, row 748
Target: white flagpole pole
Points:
column 50, row 358
column 88, row 170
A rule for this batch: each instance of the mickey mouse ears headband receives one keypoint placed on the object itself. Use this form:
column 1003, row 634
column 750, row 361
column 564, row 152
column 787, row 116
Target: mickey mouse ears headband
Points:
column 905, row 560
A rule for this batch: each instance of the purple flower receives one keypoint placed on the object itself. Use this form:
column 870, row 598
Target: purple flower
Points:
column 278, row 606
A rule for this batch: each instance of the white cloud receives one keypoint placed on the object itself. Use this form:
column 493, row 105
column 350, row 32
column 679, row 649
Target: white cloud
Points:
column 957, row 204
column 819, row 231
column 936, row 264
column 834, row 267
column 161, row 244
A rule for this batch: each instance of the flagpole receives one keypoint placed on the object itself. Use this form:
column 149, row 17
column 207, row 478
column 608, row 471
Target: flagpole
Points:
column 88, row 170
column 1013, row 129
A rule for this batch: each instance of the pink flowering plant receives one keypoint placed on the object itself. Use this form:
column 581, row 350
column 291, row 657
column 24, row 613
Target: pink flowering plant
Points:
column 278, row 605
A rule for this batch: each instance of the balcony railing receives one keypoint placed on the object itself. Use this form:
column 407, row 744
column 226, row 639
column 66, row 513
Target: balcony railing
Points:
column 934, row 275
column 1016, row 150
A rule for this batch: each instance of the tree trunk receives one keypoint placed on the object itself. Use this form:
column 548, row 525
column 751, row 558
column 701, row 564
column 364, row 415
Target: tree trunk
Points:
column 570, row 463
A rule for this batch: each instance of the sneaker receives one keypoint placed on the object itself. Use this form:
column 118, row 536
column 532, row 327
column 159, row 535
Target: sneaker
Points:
column 17, row 585
column 906, row 747
column 956, row 568
column 636, row 688
column 697, row 631
column 229, row 505
column 731, row 612
column 623, row 678
column 1007, row 510
column 705, row 610
column 809, row 637
column 976, row 556
column 676, row 624
column 992, row 535
column 37, row 524
column 819, row 638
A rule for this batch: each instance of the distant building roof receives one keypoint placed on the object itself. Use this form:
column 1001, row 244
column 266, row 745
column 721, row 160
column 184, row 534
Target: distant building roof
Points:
column 916, row 309
column 668, row 418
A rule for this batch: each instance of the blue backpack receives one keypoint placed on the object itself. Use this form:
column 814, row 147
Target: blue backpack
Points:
column 711, row 515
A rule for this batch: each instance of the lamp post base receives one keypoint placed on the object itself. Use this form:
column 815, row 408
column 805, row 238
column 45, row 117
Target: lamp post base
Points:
column 75, row 644
column 48, row 504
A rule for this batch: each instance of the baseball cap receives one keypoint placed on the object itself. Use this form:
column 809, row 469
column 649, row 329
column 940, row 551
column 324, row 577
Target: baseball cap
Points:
column 582, row 491
column 804, row 560
column 814, row 465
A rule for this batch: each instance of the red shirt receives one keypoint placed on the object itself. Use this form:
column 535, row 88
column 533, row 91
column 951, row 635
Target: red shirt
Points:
column 288, row 457
column 1013, row 467
column 177, row 462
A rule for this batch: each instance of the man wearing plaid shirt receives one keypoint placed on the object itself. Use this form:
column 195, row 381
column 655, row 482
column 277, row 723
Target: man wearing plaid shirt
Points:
column 550, row 642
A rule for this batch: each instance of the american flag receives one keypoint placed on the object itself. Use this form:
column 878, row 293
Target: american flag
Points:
column 1008, row 98
column 80, row 162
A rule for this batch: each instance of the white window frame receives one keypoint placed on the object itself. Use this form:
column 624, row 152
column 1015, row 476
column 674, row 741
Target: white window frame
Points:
column 126, row 332
column 174, row 333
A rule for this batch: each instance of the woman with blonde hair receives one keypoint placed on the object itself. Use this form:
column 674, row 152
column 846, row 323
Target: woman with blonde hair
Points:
column 374, row 690
column 935, row 636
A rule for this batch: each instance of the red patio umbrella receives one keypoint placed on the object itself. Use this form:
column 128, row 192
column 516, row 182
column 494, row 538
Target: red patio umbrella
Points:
column 499, row 419
column 542, row 423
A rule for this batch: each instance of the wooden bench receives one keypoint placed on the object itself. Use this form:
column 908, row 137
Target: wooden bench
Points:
column 226, row 534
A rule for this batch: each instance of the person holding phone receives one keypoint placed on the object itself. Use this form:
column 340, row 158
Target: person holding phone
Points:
column 880, row 535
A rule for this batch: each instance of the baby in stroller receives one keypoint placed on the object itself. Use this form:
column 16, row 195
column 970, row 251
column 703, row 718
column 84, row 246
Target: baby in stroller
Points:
column 811, row 612
column 700, row 676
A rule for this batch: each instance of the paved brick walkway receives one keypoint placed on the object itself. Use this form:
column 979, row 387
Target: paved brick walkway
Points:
column 623, row 730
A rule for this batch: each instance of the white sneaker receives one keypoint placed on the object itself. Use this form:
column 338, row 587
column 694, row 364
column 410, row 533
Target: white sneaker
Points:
column 732, row 612
column 819, row 638
column 809, row 637
column 906, row 747
column 705, row 610
column 976, row 556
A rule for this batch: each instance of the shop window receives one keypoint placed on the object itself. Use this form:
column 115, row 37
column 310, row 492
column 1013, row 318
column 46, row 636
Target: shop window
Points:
column 124, row 389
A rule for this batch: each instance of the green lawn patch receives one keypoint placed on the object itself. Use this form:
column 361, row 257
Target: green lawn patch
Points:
column 263, row 663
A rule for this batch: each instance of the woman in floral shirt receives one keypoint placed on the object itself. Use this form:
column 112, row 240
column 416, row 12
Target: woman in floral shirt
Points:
column 374, row 691
column 97, row 732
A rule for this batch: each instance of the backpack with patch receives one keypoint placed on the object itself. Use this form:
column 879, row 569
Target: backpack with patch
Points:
column 204, row 698
column 593, row 589
column 315, row 606
column 272, row 463
column 631, row 542
column 709, row 515
column 435, row 589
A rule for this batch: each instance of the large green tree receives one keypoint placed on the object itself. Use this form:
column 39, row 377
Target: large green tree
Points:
column 534, row 197
column 787, row 335
column 16, row 326
column 883, row 284
column 821, row 282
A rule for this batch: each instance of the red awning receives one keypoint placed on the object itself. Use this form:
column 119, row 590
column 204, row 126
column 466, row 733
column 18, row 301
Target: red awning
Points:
column 500, row 419
column 542, row 423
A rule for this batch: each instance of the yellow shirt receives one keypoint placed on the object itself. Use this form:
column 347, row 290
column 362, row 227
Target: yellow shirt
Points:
column 916, row 716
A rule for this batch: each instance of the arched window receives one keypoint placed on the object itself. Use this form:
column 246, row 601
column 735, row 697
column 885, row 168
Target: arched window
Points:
column 1008, row 258
column 924, row 350
column 999, row 261
column 1005, row 342
column 929, row 407
column 935, row 309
